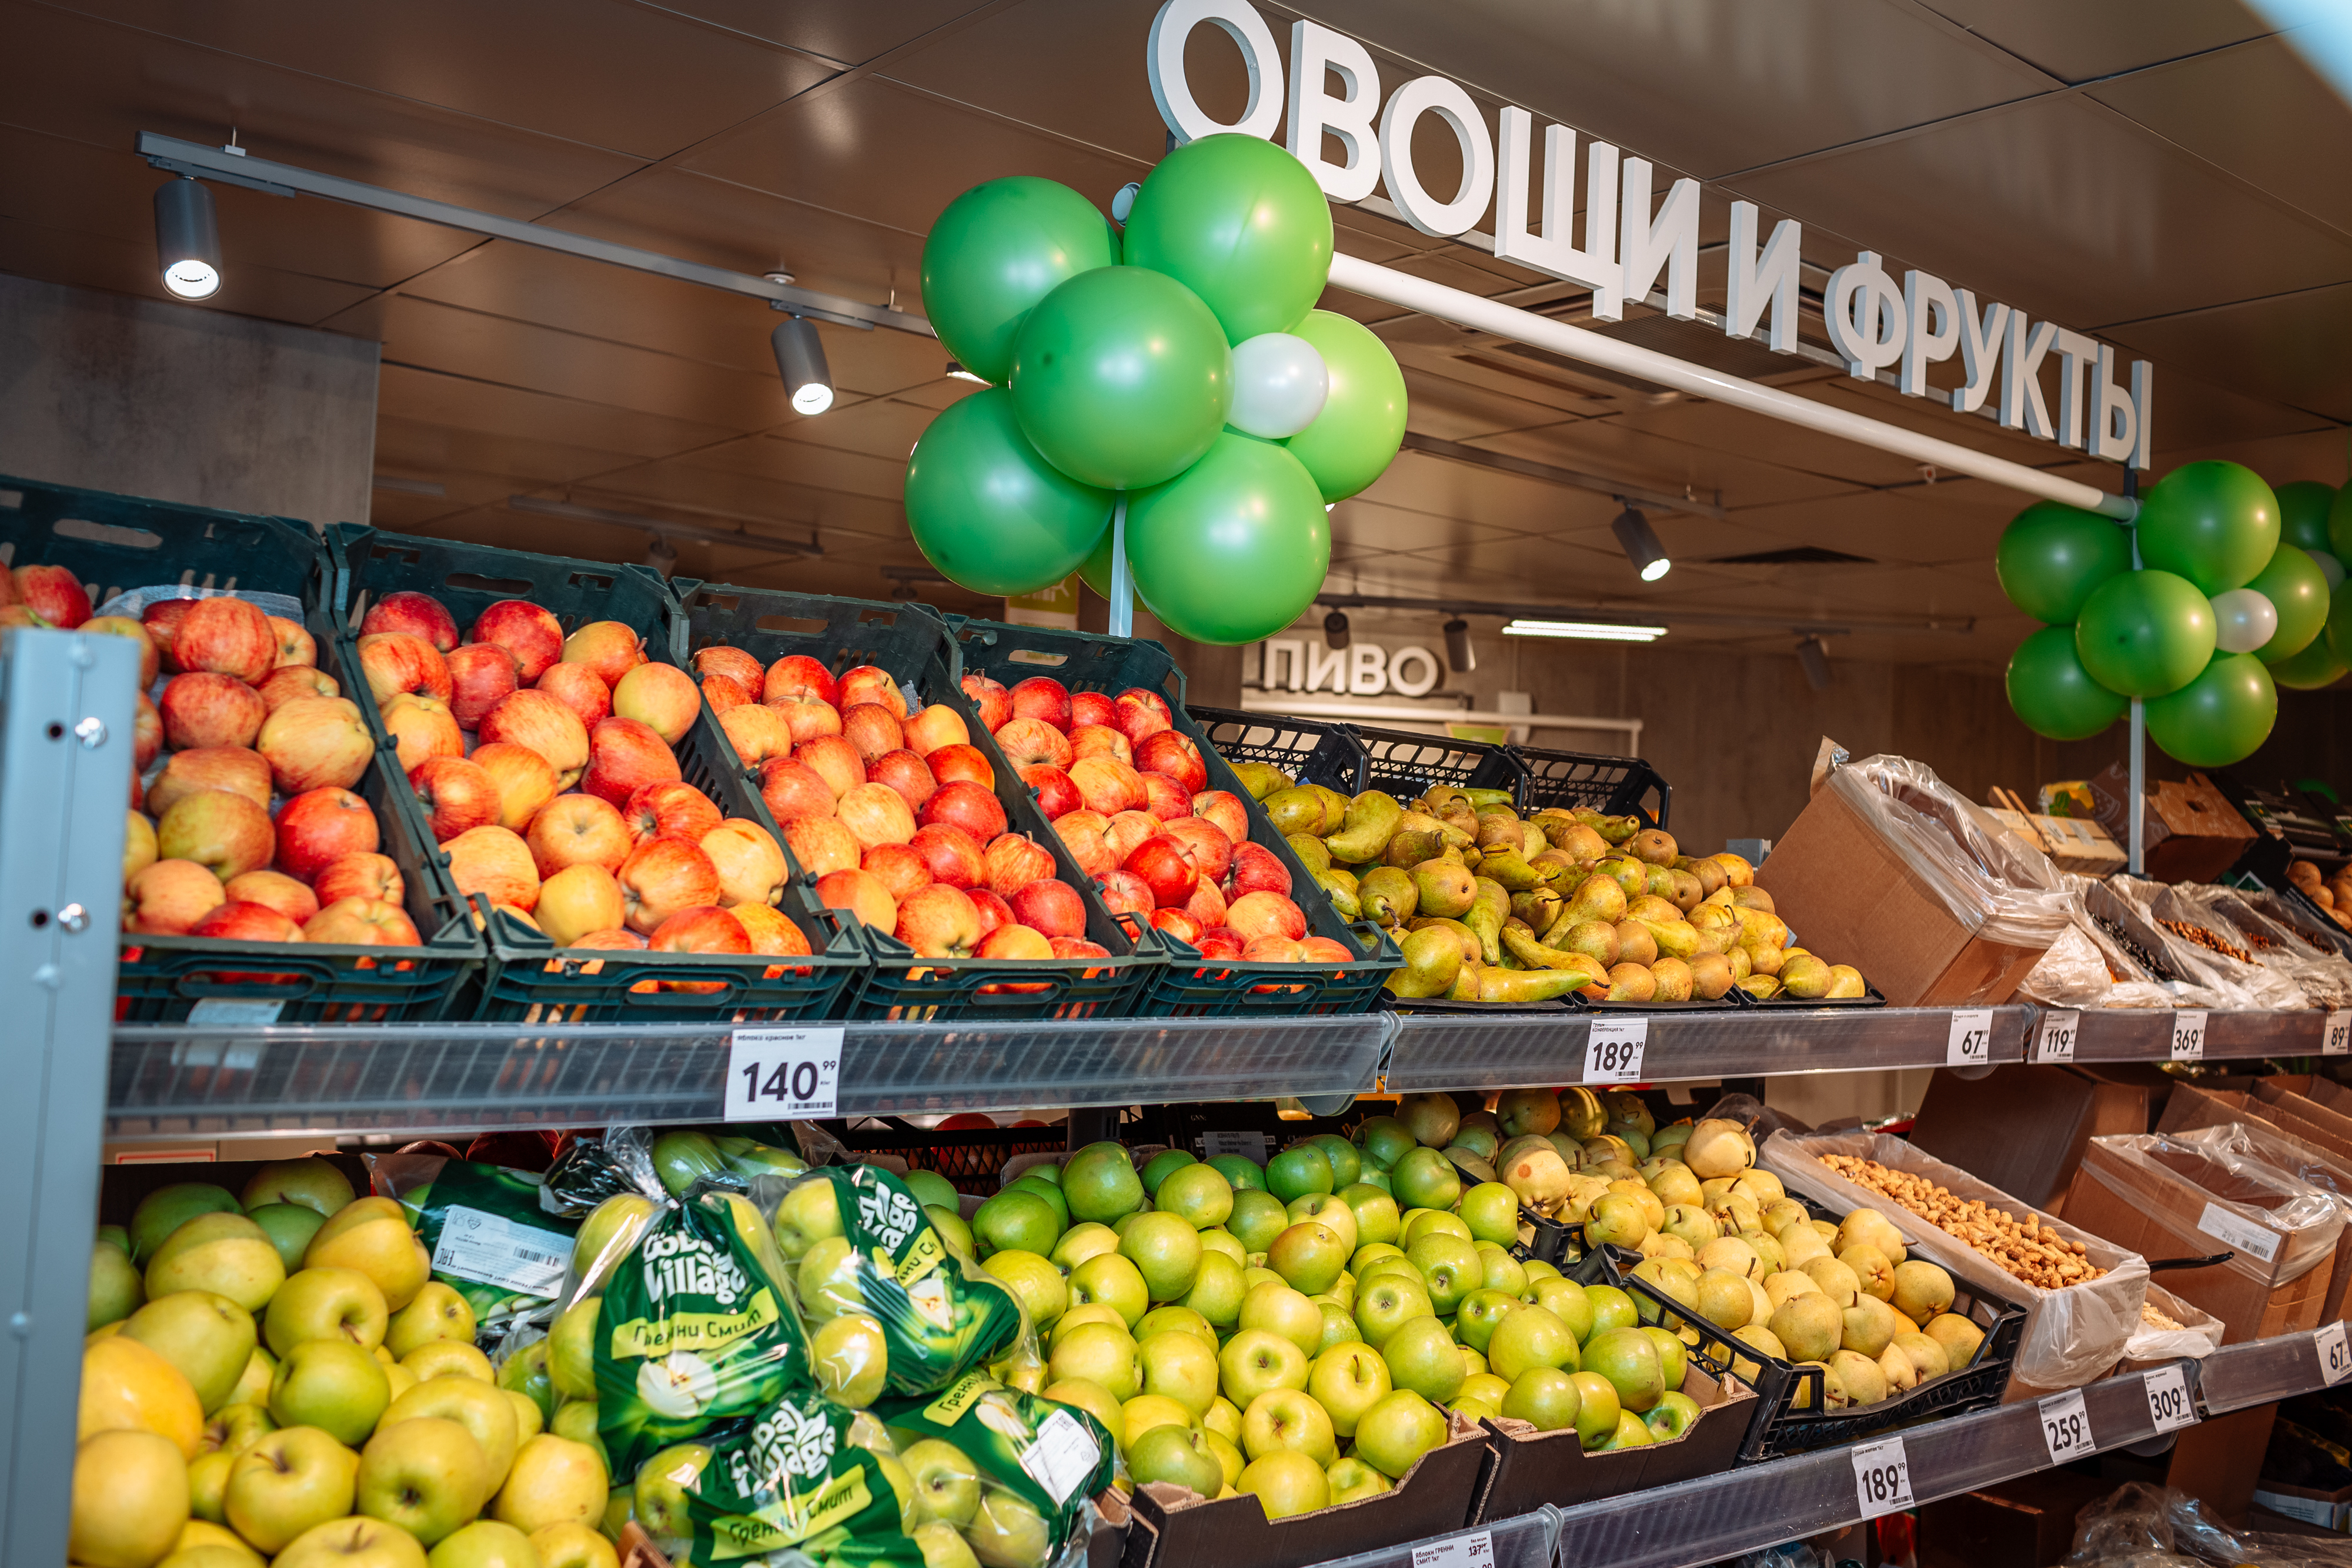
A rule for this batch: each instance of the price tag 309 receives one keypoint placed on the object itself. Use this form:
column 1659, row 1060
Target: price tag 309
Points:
column 1971, row 1044
column 1472, row 1550
column 2066, row 1426
column 2168, row 1404
column 2055, row 1042
column 1882, row 1478
column 1615, row 1049
column 2189, row 1037
column 783, row 1074
column 2335, row 1040
column 2335, row 1355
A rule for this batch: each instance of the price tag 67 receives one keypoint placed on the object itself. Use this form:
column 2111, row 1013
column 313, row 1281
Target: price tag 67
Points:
column 2337, row 1038
column 2066, row 1426
column 1472, row 1550
column 1882, row 1478
column 2189, row 1037
column 1614, row 1050
column 2056, row 1041
column 783, row 1074
column 1971, row 1040
column 2168, row 1406
column 2335, row 1355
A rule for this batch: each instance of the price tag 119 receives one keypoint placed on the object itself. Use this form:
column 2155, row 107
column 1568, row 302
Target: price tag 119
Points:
column 1614, row 1050
column 2168, row 1404
column 2066, row 1426
column 2337, row 1038
column 2189, row 1037
column 1472, row 1550
column 1971, row 1038
column 783, row 1074
column 2056, row 1041
column 1882, row 1478
column 2335, row 1355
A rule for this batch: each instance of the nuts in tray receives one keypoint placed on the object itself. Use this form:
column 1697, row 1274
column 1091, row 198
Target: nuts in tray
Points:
column 2207, row 940
column 2149, row 1317
column 2025, row 1248
column 2140, row 955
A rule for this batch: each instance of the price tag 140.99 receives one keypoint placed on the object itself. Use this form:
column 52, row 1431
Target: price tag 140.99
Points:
column 2335, row 1355
column 1613, row 1051
column 2189, row 1037
column 2055, row 1042
column 783, row 1074
column 2066, row 1426
column 1882, row 1478
column 2168, row 1404
column 1971, row 1038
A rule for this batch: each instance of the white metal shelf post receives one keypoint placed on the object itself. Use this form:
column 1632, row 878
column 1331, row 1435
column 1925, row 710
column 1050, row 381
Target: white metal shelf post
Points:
column 66, row 713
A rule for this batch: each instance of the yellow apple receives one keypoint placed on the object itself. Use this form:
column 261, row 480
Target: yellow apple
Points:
column 208, row 1485
column 234, row 1428
column 574, row 1546
column 314, row 1183
column 286, row 1484
column 449, row 1358
column 356, row 1542
column 126, row 1387
column 529, row 1420
column 130, row 1500
column 426, row 1474
column 220, row 1546
column 552, row 1481
column 485, row 1544
column 481, row 1408
column 331, row 1385
column 325, row 1303
column 227, row 1254
column 253, row 1387
column 370, row 1235
column 209, row 1338
column 115, row 1288
column 437, row 1313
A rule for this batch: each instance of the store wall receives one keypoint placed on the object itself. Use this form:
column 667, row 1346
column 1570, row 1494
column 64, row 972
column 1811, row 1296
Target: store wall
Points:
column 175, row 401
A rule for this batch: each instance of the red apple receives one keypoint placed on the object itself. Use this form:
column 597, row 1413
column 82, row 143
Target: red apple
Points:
column 873, row 729
column 989, row 699
column 297, row 649
column 1013, row 863
column 1207, row 904
column 150, row 659
column 724, row 693
column 950, row 763
column 669, row 809
column 1164, row 798
column 619, row 939
column 1027, row 742
column 146, row 734
column 1273, row 949
column 737, row 665
column 229, row 767
column 952, row 855
column 905, row 772
column 750, row 862
column 420, row 727
column 1172, row 752
column 161, row 620
column 312, row 742
column 169, row 896
column 968, row 806
column 1218, row 942
column 706, row 929
column 537, row 720
column 394, row 662
column 1052, row 906
column 418, row 614
column 525, row 781
column 1178, row 925
column 1073, row 947
column 798, row 677
column 1041, row 697
column 772, row 931
column 1255, row 914
column 808, row 718
column 625, row 755
column 1090, row 708
column 275, row 889
column 862, row 894
column 204, row 709
column 226, row 835
column 1081, row 833
column 481, row 676
column 456, row 796
column 792, row 789
column 531, row 634
column 1057, row 793
column 935, row 726
column 240, row 921
column 607, row 647
column 319, row 827
column 661, row 696
column 899, row 868
column 1107, row 785
column 870, row 684
column 1014, row 941
column 876, row 815
column 1323, row 950
column 756, row 732
column 1099, row 740
column 939, row 922
column 372, row 877
column 55, row 594
column 834, row 760
column 663, row 876
column 1124, row 893
column 1212, row 853
column 577, row 687
column 993, row 911
column 1128, row 829
column 1257, row 869
column 578, row 829
column 1138, row 714
column 1166, row 867
column 286, row 682
column 576, row 901
column 1225, row 809
column 821, row 844
column 363, row 923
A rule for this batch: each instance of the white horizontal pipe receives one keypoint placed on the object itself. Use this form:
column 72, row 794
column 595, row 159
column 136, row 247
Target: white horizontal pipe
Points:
column 1396, row 287
column 1278, row 703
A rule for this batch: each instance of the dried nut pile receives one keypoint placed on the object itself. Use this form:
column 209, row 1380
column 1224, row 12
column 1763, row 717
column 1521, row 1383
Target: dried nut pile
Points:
column 2122, row 938
column 2024, row 1247
column 2156, row 1320
column 2203, row 938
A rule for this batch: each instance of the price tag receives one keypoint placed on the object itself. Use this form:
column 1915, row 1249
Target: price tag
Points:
column 2168, row 1406
column 2189, row 1037
column 2066, row 1426
column 1882, row 1478
column 1612, row 1052
column 2335, row 1355
column 1062, row 1456
column 2335, row 1040
column 1971, row 1044
column 783, row 1074
column 1475, row 1551
column 1249, row 1146
column 2055, row 1042
column 2237, row 1232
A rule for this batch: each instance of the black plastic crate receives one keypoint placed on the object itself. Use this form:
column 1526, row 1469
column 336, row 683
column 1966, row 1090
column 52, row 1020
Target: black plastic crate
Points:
column 973, row 1159
column 1190, row 986
column 1310, row 750
column 1613, row 786
column 1353, row 757
column 527, row 979
column 913, row 644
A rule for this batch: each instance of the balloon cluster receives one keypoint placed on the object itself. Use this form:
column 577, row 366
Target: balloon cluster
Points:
column 1182, row 366
column 2230, row 601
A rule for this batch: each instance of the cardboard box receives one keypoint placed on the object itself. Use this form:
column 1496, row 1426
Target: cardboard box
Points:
column 2072, row 843
column 1526, row 1468
column 1175, row 1528
column 2303, row 1505
column 2194, row 1108
column 2192, row 832
column 1848, row 893
column 2023, row 1128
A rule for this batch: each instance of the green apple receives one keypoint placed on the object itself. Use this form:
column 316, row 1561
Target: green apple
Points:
column 1342, row 1293
column 1421, row 1222
column 329, row 1304
column 253, row 1383
column 1299, row 1170
column 572, row 1349
column 1286, row 1484
column 485, row 1544
column 1566, row 1301
column 1425, row 1179
column 1218, row 1290
column 1014, row 1221
column 1100, row 1184
column 1100, row 1353
column 1384, row 1141
column 373, row 1236
column 1080, row 1242
column 1288, row 1417
column 480, row 1407
column 1500, row 1271
column 1257, row 1274
column 290, row 1227
column 1182, row 1366
column 947, row 1483
column 1111, row 1279
column 1163, row 1165
column 941, row 1545
column 1224, row 1419
column 1377, row 1217
column 1241, row 1171
column 1083, row 1393
column 1176, row 1318
column 1491, row 1210
column 1629, row 1361
column 525, row 1371
column 208, row 1493
column 1007, row 1532
column 208, row 1338
column 614, row 1226
column 1308, row 1255
column 1217, row 1239
column 1631, row 1433
column 1422, row 1357
column 115, row 1288
column 1181, row 1455
column 234, row 1428
column 683, row 1157
column 1530, row 1337
column 1257, row 1218
column 1199, row 1194
column 1089, row 1312
column 354, row 1542
column 1045, row 1294
column 1545, row 1397
column 1166, row 1252
column 1348, row 1380
column 446, row 1358
column 1050, row 1191
column 167, row 1209
column 117, row 1236
column 1397, row 1430
column 576, row 1423
column 1339, row 1327
column 850, row 1357
column 1672, row 1415
column 1256, row 1362
column 1347, row 1162
column 1353, row 1481
column 1597, row 1410
column 223, row 1252
column 332, row 1384
column 1450, row 1267
column 831, row 1278
column 1612, row 1309
column 287, row 1482
column 664, row 1483
column 1475, row 1319
column 932, row 1189
column 955, row 1234
column 1371, row 1252
column 314, row 1183
column 1672, row 1360
column 1276, row 1307
column 1328, row 1209
column 1387, row 1302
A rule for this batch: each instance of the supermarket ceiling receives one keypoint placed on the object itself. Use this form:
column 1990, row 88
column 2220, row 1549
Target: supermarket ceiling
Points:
column 2165, row 173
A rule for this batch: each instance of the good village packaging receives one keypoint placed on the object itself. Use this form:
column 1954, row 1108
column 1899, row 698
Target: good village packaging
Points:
column 1526, row 1468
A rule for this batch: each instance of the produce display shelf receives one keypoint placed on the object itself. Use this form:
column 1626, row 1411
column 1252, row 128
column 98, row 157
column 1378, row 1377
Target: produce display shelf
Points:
column 1527, row 1540
column 2146, row 1035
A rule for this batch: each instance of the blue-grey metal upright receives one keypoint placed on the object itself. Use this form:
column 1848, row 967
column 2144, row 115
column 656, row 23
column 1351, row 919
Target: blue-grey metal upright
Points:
column 66, row 703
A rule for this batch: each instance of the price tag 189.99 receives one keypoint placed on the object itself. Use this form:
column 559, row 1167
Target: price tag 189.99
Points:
column 783, row 1074
column 2055, row 1042
column 2066, row 1426
column 1472, row 1550
column 2189, row 1037
column 2335, row 1355
column 2168, row 1404
column 1882, row 1478
column 1613, row 1051
column 1971, row 1038
column 2335, row 1040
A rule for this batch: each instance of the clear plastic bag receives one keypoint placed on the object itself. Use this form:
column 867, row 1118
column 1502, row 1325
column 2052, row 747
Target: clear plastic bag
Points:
column 2192, row 905
column 2199, row 1335
column 1988, row 878
column 492, row 1233
column 2238, row 1183
column 2325, row 979
column 2121, row 901
column 2144, row 1526
column 2085, row 967
column 1036, row 1461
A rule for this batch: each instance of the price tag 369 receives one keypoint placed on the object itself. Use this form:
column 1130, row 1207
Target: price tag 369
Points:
column 1614, row 1050
column 2189, row 1037
column 2066, row 1426
column 1882, row 1478
column 783, row 1074
column 1971, row 1044
column 2056, row 1041
column 2168, row 1404
column 2335, row 1355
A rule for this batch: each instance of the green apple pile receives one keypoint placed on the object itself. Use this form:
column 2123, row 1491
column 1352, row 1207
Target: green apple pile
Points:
column 276, row 1375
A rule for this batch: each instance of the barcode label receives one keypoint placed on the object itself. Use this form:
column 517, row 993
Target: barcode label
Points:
column 492, row 1249
column 1062, row 1456
column 2239, row 1232
column 1882, row 1478
column 2168, row 1404
column 2335, row 1355
column 1249, row 1146
column 2066, row 1426
column 783, row 1074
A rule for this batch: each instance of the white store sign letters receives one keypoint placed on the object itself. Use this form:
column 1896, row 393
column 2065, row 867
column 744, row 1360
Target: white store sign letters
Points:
column 1360, row 669
column 1876, row 320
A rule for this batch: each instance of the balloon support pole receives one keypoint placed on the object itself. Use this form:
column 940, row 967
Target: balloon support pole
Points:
column 2138, row 786
column 1123, row 586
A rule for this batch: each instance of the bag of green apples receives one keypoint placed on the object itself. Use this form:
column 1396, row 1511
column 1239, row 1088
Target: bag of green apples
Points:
column 495, row 1235
column 1013, row 1473
column 889, row 1307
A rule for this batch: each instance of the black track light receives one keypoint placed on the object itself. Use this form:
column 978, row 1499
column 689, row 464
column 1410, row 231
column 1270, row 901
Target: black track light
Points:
column 1335, row 630
column 187, row 240
column 1458, row 652
column 662, row 556
column 1813, row 658
column 1640, row 543
column 799, row 359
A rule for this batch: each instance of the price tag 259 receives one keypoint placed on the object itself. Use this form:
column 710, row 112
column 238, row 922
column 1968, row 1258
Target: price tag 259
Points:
column 2189, row 1037
column 2168, row 1404
column 783, row 1074
column 2066, row 1426
column 2056, row 1041
column 2335, row 1355
column 1882, row 1478
column 1971, row 1044
column 1614, row 1050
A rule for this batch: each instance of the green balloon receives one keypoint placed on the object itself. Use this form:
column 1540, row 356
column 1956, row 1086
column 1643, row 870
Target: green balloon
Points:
column 1352, row 441
column 2052, row 556
column 2303, row 513
column 997, row 250
column 2144, row 633
column 1122, row 378
column 2339, row 524
column 1242, row 223
column 2222, row 717
column 2298, row 592
column 1234, row 549
column 2051, row 691
column 988, row 511
column 2317, row 666
column 2214, row 523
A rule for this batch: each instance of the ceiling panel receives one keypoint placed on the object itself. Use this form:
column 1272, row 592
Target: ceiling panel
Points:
column 430, row 396
column 128, row 267
column 1676, row 461
column 2080, row 39
column 849, row 31
column 2290, row 347
column 1368, row 524
column 812, row 462
column 1075, row 68
column 422, row 449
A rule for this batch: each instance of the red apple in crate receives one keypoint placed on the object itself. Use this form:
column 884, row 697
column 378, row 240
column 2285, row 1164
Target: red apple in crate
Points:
column 708, row 929
column 1225, row 809
column 821, row 844
column 1138, row 714
column 458, row 796
column 19, row 615
column 578, row 829
column 418, row 614
column 873, row 729
column 275, row 889
column 525, row 781
column 1052, row 906
column 950, row 855
column 1218, row 942
column 363, row 923
column 1166, row 867
column 798, row 678
column 734, row 664
column 625, row 755
column 1273, row 950
column 1015, row 862
column 161, row 620
column 1323, row 950
column 1014, row 941
column 146, row 734
column 671, row 808
column 968, row 806
column 792, row 789
column 170, row 896
column 661, row 877
column 750, row 863
column 1178, row 925
column 394, row 662
column 241, row 922
column 1125, row 829
column 725, row 694
column 420, row 727
column 531, row 634
column 1028, row 742
column 1164, row 798
column 870, row 684
column 661, row 696
column 229, row 767
column 537, row 720
column 1099, row 740
column 808, row 719
column 576, row 901
column 1107, row 785
column 1207, row 904
column 55, row 594
column 1172, row 752
column 832, row 758
column 861, row 893
column 1081, row 833
column 1257, row 869
column 607, row 647
column 297, row 649
column 1124, row 893
column 935, row 726
column 876, row 815
column 905, row 772
column 993, row 911
column 1212, row 853
column 773, row 933
column 150, row 660
column 1076, row 947
column 367, row 876
column 620, row 939
column 994, row 703
column 226, row 835
column 319, row 827
column 577, row 687
column 899, row 868
column 939, row 922
column 951, row 763
column 201, row 709
column 1090, row 708
column 756, row 732
column 482, row 676
column 1041, row 697
column 286, row 682
column 1057, row 792
column 1255, row 914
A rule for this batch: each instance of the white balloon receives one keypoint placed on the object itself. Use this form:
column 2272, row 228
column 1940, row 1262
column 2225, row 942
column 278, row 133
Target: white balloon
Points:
column 2329, row 567
column 1279, row 385
column 2243, row 621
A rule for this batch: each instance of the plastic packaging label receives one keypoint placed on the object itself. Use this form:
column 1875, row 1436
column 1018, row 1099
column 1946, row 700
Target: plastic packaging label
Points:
column 1882, row 1478
column 1475, row 1551
column 2335, row 1355
column 1613, row 1051
column 2066, row 1426
column 1971, row 1044
column 2055, row 1042
column 238, row 1014
column 495, row 1250
column 2168, row 1404
column 2239, row 1232
column 2335, row 1040
column 1249, row 1146
column 1062, row 1456
column 2189, row 1037
column 783, row 1074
